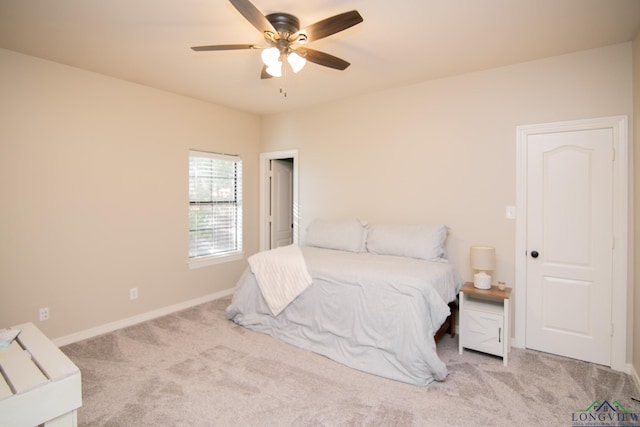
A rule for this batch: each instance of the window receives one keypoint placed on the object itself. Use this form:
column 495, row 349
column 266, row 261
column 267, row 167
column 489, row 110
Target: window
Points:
column 215, row 207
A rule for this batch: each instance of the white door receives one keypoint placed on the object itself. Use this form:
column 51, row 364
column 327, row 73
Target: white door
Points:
column 570, row 243
column 281, row 223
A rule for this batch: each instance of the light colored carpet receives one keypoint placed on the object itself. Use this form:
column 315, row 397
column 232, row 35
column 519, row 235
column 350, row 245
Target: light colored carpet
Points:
column 196, row 368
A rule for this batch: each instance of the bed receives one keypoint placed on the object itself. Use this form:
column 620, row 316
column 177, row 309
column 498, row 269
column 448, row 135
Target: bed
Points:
column 369, row 300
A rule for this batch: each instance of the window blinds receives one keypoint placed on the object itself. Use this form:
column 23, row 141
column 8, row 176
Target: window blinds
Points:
column 215, row 204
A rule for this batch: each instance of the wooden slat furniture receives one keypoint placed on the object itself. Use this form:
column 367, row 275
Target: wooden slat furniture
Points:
column 39, row 384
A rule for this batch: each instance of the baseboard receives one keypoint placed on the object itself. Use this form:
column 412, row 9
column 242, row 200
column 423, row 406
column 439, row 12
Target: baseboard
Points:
column 129, row 321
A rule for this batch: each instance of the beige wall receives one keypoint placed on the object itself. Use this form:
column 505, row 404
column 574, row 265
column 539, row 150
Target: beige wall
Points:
column 444, row 151
column 93, row 185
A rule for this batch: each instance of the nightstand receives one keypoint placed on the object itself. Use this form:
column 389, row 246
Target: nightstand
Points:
column 484, row 320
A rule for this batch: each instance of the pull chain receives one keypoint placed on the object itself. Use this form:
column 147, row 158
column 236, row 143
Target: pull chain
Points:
column 285, row 75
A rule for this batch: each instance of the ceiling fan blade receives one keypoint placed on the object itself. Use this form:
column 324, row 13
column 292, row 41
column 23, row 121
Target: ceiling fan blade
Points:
column 322, row 58
column 330, row 26
column 225, row 47
column 264, row 74
column 253, row 15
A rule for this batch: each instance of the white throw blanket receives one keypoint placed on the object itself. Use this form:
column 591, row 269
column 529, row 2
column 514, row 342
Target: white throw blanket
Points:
column 281, row 274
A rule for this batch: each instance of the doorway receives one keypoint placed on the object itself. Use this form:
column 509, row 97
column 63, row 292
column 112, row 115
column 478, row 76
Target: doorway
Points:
column 281, row 203
column 278, row 199
column 571, row 239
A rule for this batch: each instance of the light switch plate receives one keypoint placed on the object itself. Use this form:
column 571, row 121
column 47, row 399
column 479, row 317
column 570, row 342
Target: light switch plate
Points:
column 510, row 212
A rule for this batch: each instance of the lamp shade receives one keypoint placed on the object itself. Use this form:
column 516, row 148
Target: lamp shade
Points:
column 483, row 258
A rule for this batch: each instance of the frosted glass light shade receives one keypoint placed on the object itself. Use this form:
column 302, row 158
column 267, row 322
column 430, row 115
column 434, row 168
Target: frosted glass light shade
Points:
column 296, row 61
column 270, row 56
column 275, row 69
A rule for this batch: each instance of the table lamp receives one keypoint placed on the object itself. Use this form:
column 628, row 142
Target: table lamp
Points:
column 483, row 259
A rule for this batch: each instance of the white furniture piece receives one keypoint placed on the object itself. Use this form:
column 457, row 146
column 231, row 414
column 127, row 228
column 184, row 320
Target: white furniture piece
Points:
column 484, row 320
column 39, row 385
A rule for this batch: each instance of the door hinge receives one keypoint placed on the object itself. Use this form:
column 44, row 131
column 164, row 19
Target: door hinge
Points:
column 611, row 329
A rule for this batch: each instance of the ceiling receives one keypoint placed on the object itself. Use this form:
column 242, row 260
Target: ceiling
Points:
column 399, row 43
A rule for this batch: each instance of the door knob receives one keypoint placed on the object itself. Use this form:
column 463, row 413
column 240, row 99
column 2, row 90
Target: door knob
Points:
column 534, row 254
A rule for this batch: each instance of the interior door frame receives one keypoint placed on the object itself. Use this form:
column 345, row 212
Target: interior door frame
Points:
column 622, row 294
column 265, row 159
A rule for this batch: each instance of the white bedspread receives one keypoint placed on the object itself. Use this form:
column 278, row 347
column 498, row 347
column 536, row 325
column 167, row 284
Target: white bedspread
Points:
column 281, row 274
column 375, row 313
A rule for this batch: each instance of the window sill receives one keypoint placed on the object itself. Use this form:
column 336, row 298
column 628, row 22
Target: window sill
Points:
column 212, row 260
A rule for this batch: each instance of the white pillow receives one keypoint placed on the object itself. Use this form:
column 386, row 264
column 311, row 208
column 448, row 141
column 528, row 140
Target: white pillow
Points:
column 412, row 241
column 346, row 235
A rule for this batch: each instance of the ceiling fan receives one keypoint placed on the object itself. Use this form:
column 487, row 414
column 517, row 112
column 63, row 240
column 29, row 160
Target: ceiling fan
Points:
column 286, row 40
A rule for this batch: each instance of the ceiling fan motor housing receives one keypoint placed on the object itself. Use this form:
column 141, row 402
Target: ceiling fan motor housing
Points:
column 284, row 22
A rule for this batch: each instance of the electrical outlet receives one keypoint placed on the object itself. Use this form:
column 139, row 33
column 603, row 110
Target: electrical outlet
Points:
column 133, row 293
column 44, row 314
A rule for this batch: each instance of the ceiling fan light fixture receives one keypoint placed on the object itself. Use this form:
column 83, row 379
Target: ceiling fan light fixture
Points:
column 296, row 61
column 270, row 56
column 283, row 36
column 275, row 69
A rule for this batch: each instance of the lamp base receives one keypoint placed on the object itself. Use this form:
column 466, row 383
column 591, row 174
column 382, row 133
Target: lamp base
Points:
column 482, row 280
